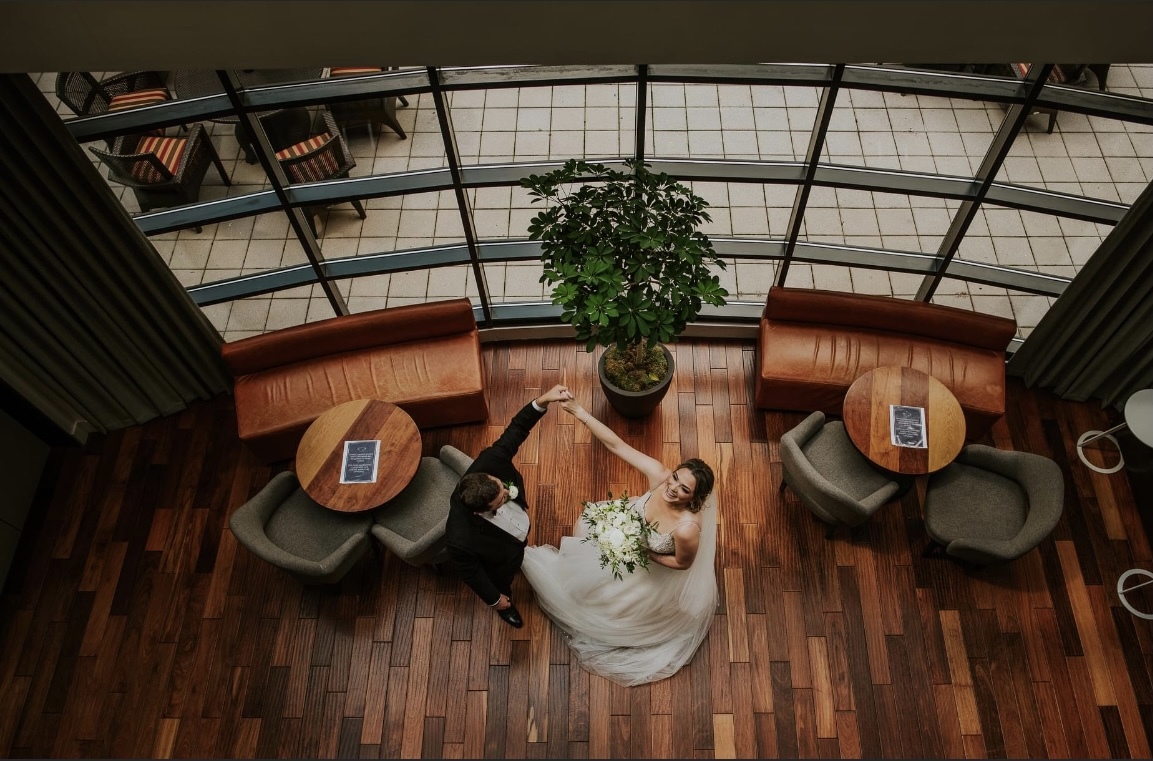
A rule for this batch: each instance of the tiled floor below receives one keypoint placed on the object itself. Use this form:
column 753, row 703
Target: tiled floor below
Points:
column 1084, row 155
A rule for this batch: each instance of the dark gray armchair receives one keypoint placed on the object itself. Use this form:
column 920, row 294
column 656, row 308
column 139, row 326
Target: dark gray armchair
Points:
column 992, row 506
column 830, row 476
column 411, row 524
column 283, row 526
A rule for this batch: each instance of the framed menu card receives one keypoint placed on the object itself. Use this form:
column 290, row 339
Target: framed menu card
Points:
column 359, row 464
column 907, row 426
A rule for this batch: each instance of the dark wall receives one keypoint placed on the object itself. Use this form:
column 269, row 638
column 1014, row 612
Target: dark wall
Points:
column 22, row 458
column 105, row 35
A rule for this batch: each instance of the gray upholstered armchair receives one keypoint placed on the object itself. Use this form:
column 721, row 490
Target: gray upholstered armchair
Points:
column 283, row 526
column 830, row 476
column 991, row 506
column 411, row 524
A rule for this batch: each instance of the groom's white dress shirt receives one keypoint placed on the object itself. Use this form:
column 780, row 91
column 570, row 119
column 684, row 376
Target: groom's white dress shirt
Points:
column 511, row 518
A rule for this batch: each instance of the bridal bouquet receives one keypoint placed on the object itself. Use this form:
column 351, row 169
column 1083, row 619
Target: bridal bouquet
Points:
column 619, row 532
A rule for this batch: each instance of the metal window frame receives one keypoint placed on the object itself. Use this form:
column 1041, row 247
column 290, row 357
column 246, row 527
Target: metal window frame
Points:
column 1021, row 96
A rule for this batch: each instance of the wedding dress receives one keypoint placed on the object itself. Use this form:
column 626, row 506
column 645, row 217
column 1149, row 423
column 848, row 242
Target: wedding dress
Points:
column 640, row 629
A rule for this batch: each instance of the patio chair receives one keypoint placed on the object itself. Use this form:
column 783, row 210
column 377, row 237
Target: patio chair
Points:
column 87, row 96
column 324, row 156
column 411, row 524
column 162, row 171
column 834, row 480
column 371, row 112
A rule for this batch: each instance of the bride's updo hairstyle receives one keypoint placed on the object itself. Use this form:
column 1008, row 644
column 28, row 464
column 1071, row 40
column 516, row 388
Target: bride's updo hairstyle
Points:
column 705, row 479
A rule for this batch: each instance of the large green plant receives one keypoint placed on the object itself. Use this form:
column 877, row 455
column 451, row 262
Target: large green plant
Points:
column 630, row 266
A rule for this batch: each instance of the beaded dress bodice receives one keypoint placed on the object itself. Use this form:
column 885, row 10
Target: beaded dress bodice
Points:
column 662, row 544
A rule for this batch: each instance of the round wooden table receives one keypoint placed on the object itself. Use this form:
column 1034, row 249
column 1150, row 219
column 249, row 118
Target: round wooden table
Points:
column 866, row 414
column 319, row 455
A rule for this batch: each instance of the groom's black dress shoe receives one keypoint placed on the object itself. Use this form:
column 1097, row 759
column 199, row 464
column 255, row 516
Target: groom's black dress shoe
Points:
column 511, row 616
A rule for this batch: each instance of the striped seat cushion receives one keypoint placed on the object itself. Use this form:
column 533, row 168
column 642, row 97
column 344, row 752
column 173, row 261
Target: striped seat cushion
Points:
column 137, row 99
column 168, row 149
column 1056, row 75
column 345, row 71
column 321, row 166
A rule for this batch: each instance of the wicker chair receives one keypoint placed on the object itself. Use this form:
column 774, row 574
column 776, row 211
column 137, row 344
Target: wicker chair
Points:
column 371, row 112
column 324, row 156
column 162, row 171
column 86, row 96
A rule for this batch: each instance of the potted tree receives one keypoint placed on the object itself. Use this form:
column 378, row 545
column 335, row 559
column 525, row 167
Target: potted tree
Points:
column 630, row 266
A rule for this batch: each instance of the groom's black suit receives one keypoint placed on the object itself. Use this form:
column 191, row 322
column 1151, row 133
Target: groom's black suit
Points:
column 485, row 556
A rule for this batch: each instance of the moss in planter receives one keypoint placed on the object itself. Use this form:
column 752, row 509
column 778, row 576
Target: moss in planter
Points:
column 625, row 374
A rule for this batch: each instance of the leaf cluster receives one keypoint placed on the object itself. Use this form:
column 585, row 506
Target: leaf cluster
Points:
column 624, row 251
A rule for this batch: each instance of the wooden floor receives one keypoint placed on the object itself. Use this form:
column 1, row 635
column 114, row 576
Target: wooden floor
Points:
column 134, row 625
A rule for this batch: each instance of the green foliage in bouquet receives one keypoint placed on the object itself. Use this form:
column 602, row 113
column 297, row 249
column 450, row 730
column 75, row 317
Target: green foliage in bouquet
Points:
column 619, row 532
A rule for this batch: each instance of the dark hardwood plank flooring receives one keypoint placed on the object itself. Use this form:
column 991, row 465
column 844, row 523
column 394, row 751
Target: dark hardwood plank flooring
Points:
column 134, row 625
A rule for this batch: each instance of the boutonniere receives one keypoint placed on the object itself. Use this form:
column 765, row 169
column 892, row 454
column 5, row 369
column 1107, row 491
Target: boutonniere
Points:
column 513, row 492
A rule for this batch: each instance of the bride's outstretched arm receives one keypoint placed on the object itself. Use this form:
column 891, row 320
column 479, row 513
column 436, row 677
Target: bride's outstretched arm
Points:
column 652, row 468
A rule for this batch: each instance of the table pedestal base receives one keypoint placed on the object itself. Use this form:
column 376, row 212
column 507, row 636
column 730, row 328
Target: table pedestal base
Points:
column 1090, row 436
column 1122, row 589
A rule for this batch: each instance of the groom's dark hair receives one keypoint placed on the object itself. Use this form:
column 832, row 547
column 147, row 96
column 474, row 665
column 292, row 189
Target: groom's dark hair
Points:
column 477, row 491
column 704, row 475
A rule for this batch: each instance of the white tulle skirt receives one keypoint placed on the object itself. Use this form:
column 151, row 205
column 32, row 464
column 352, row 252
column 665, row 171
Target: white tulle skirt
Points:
column 640, row 629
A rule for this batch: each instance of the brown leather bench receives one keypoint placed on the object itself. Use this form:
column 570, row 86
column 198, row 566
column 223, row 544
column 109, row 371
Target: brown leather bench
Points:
column 813, row 344
column 425, row 358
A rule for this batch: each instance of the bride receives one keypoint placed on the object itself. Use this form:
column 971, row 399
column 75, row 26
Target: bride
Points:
column 647, row 626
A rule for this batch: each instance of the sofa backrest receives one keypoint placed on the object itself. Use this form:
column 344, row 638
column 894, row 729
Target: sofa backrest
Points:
column 889, row 314
column 379, row 327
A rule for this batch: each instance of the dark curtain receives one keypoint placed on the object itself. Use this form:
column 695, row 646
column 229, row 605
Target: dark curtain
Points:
column 95, row 331
column 1097, row 339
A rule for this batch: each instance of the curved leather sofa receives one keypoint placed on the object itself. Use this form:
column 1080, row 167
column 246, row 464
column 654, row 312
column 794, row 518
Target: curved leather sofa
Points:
column 813, row 344
column 425, row 358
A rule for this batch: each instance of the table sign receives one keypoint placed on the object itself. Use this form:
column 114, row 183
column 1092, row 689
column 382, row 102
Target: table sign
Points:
column 360, row 461
column 907, row 426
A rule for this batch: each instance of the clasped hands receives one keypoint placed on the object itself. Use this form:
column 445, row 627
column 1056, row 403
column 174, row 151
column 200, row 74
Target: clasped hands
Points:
column 560, row 393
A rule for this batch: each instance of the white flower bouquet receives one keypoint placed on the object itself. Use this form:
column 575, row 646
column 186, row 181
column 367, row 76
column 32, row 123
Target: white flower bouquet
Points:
column 619, row 532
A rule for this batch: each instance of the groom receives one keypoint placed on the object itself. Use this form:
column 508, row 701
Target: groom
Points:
column 488, row 522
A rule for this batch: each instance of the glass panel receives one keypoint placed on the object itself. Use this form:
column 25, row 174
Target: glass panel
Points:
column 491, row 210
column 259, row 314
column 514, row 282
column 1087, row 155
column 746, row 209
column 1027, row 309
column 199, row 83
column 1031, row 241
column 752, row 279
column 917, row 133
column 834, row 277
column 393, row 223
column 229, row 249
column 364, row 294
column 731, row 121
column 891, row 221
column 550, row 122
